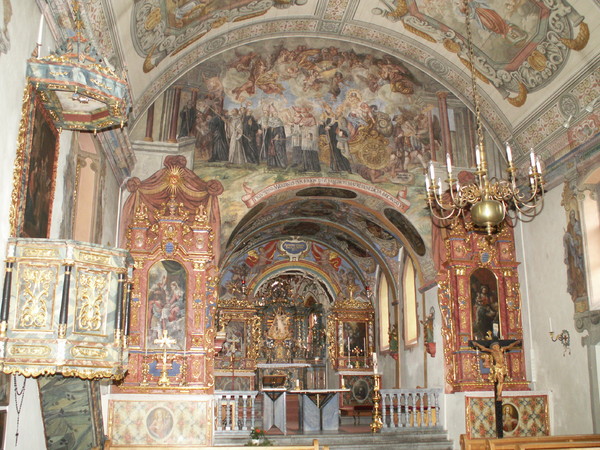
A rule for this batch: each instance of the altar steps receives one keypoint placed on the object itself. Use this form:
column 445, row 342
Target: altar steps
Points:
column 426, row 439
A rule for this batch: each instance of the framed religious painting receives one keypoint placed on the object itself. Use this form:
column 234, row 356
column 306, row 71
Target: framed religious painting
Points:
column 242, row 339
column 35, row 171
column 484, row 304
column 350, row 335
column 167, row 292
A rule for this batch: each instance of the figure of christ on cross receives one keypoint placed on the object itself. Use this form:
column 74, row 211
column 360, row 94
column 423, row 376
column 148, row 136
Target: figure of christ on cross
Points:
column 498, row 369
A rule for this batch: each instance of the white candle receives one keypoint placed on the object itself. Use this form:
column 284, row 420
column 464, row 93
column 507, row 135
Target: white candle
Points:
column 427, row 182
column 375, row 362
column 439, row 186
column 348, row 345
column 550, row 322
column 40, row 30
column 508, row 153
column 449, row 164
column 538, row 166
column 477, row 156
column 532, row 158
column 431, row 171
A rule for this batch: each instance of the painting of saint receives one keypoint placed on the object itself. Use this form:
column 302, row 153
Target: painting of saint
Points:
column 167, row 281
column 484, row 303
column 159, row 423
column 510, row 417
column 574, row 257
column 39, row 192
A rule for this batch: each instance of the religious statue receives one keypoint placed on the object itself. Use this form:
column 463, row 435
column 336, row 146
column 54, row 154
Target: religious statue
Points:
column 428, row 332
column 279, row 332
column 280, row 328
column 498, row 369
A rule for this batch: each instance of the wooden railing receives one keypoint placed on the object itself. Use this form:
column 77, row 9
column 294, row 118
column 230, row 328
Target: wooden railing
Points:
column 235, row 411
column 402, row 408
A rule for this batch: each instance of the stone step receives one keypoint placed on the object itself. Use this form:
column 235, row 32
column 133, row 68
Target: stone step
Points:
column 431, row 438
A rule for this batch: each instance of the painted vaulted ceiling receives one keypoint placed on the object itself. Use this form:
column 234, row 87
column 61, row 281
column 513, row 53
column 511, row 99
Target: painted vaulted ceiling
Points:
column 536, row 64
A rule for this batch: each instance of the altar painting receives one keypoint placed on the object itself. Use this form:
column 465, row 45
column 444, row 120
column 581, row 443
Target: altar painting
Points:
column 167, row 292
column 355, row 339
column 484, row 304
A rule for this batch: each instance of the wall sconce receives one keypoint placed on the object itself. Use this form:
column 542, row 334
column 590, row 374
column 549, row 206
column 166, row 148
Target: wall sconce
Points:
column 564, row 339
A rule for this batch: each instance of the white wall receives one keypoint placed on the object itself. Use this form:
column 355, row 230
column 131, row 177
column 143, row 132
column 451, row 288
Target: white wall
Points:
column 543, row 278
column 22, row 32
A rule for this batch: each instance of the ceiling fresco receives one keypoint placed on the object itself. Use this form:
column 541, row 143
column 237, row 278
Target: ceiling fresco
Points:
column 311, row 110
column 520, row 45
column 164, row 28
column 340, row 104
column 314, row 261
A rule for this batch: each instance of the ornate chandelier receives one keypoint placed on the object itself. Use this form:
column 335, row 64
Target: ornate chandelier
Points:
column 486, row 200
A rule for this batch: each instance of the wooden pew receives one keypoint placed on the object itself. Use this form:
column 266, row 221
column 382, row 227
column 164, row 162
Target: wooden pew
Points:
column 314, row 446
column 526, row 443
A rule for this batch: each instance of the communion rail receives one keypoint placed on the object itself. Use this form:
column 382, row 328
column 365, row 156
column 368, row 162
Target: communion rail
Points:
column 235, row 411
column 402, row 408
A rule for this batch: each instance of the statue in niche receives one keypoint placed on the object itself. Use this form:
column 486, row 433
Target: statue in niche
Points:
column 280, row 328
column 279, row 334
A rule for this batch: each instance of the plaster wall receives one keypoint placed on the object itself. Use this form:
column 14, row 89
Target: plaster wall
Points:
column 543, row 278
column 12, row 68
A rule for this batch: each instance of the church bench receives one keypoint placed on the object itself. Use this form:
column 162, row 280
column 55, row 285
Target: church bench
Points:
column 530, row 443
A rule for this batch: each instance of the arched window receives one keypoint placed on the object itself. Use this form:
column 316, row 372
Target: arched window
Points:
column 384, row 314
column 410, row 303
column 590, row 209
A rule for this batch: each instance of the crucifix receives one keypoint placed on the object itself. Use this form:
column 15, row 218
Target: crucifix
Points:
column 498, row 371
column 165, row 342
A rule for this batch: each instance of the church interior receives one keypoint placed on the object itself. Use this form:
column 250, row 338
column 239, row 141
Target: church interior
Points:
column 229, row 223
